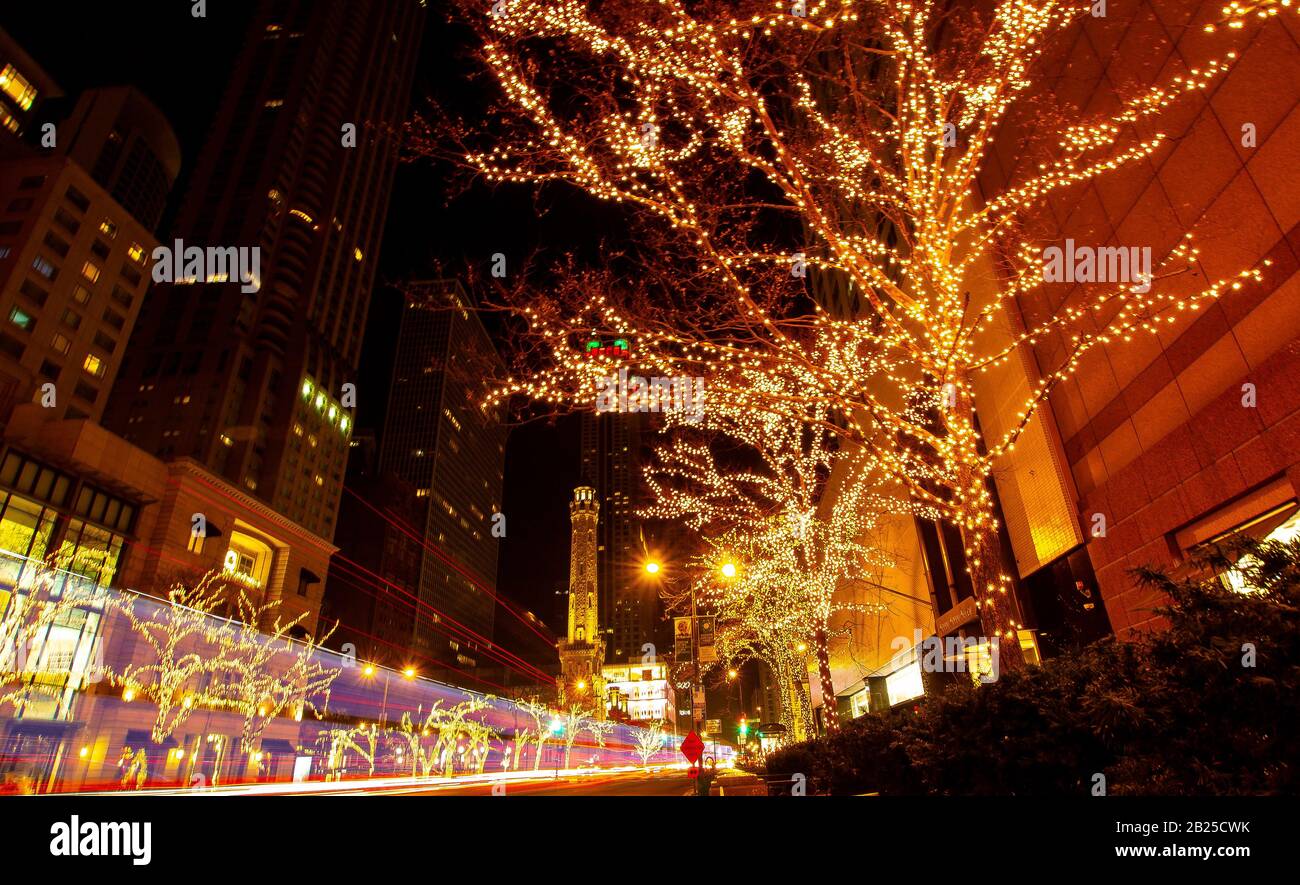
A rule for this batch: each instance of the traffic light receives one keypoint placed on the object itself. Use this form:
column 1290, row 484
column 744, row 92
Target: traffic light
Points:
column 744, row 728
column 557, row 726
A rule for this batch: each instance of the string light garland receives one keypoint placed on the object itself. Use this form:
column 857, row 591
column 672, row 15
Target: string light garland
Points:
column 198, row 660
column 650, row 740
column 798, row 552
column 869, row 124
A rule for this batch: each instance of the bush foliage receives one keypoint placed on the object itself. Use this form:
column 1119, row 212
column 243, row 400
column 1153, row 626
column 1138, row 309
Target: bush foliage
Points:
column 1180, row 711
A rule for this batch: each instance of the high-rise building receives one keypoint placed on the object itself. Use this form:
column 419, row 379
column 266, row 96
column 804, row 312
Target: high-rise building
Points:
column 128, row 147
column 76, row 233
column 74, row 251
column 371, row 595
column 438, row 438
column 611, row 465
column 250, row 370
column 23, row 86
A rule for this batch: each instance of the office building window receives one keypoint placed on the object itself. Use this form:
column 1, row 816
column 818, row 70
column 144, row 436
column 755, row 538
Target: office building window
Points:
column 44, row 268
column 22, row 319
column 77, row 198
column 17, row 87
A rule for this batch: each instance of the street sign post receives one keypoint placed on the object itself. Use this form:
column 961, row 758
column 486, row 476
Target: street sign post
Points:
column 692, row 748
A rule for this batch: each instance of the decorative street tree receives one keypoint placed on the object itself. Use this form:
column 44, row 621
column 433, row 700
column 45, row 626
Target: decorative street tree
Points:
column 650, row 739
column 756, row 478
column 541, row 716
column 190, row 652
column 578, row 719
column 453, row 723
column 198, row 659
column 410, row 736
column 273, row 673
column 757, row 146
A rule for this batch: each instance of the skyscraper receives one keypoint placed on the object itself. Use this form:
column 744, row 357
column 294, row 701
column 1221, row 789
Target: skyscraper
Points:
column 24, row 85
column 253, row 376
column 438, row 438
column 76, row 232
column 611, row 465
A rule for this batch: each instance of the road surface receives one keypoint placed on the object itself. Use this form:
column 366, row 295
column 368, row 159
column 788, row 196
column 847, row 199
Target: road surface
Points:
column 640, row 783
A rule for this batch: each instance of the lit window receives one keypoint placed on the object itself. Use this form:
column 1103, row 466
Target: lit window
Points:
column 303, row 215
column 94, row 365
column 90, row 271
column 8, row 120
column 227, row 441
column 21, row 318
column 358, row 254
column 60, row 343
column 17, row 87
column 108, row 229
column 275, row 103
column 81, row 294
column 44, row 268
column 136, row 253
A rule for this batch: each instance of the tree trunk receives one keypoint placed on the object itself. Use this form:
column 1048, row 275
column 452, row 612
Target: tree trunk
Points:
column 829, row 710
column 984, row 563
column 993, row 589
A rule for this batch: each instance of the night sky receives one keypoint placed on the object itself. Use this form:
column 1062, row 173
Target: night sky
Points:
column 181, row 63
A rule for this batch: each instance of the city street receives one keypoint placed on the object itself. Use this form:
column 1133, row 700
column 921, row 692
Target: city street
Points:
column 673, row 782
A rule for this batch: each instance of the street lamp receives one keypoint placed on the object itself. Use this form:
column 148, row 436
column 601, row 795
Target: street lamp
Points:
column 369, row 673
column 652, row 567
column 728, row 569
column 409, row 673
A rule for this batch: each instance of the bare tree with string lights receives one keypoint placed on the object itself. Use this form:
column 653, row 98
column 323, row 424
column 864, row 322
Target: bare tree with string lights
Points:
column 756, row 146
column 757, row 479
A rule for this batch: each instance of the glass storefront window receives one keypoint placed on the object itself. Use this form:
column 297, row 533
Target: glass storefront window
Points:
column 25, row 529
column 1285, row 533
column 905, row 683
column 91, row 552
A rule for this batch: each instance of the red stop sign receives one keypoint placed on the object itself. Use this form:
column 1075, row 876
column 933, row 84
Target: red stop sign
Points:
column 692, row 748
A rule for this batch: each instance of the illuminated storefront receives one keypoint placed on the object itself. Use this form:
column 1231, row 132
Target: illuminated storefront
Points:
column 642, row 691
